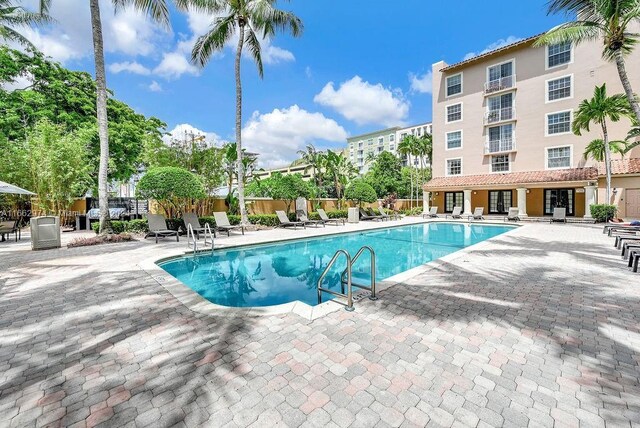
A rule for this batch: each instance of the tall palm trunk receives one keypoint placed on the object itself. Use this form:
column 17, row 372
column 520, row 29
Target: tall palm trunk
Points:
column 243, row 210
column 607, row 159
column 626, row 84
column 101, row 110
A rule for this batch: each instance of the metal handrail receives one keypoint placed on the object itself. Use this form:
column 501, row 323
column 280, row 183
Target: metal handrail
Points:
column 372, row 287
column 191, row 234
column 500, row 84
column 349, row 294
column 208, row 232
column 500, row 115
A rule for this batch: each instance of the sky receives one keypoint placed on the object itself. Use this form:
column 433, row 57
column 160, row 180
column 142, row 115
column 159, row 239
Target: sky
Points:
column 359, row 66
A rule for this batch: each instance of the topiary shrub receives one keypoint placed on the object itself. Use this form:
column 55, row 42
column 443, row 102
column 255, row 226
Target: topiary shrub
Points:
column 603, row 212
column 360, row 191
column 173, row 188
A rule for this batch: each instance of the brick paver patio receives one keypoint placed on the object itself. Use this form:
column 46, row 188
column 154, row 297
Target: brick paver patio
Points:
column 540, row 327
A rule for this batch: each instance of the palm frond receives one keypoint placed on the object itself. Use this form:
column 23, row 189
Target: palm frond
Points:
column 158, row 10
column 10, row 34
column 253, row 44
column 574, row 32
column 214, row 40
column 596, row 150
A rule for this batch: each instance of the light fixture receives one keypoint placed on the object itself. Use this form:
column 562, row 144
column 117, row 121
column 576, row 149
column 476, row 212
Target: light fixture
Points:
column 528, row 191
column 475, row 193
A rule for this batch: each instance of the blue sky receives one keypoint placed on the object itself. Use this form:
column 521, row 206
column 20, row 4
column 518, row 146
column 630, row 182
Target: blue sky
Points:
column 360, row 65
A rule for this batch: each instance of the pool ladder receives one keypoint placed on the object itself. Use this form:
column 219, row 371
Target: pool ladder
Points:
column 346, row 282
column 192, row 242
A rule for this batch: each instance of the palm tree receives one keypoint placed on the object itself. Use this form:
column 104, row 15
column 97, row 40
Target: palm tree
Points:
column 597, row 110
column 247, row 18
column 424, row 149
column 12, row 16
column 596, row 150
column 341, row 171
column 608, row 20
column 315, row 159
column 408, row 147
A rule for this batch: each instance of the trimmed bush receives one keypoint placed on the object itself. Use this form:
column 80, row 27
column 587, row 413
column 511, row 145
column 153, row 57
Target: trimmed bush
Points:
column 360, row 191
column 603, row 212
column 132, row 226
column 171, row 187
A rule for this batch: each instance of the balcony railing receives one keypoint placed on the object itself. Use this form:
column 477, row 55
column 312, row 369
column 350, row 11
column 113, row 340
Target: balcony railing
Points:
column 503, row 145
column 500, row 115
column 501, row 84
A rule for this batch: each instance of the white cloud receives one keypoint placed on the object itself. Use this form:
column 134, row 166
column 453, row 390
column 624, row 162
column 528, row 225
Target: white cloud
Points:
column 21, row 82
column 500, row 43
column 421, row 84
column 278, row 135
column 308, row 72
column 155, row 87
column 174, row 65
column 185, row 130
column 365, row 103
column 273, row 54
column 130, row 67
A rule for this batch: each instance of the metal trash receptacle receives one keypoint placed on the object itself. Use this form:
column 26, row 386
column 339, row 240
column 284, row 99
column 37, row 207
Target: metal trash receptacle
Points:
column 45, row 232
column 353, row 215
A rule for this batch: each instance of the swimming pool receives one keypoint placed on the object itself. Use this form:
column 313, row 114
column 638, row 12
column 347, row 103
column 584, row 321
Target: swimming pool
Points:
column 273, row 274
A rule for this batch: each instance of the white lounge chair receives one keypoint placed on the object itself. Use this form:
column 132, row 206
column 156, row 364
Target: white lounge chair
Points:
column 158, row 227
column 559, row 215
column 513, row 214
column 223, row 224
column 433, row 213
column 285, row 222
column 457, row 213
column 477, row 214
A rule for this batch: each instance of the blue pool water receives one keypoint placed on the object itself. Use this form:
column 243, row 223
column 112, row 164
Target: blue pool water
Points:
column 272, row 274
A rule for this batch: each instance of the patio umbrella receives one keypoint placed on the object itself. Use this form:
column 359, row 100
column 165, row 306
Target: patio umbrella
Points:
column 10, row 188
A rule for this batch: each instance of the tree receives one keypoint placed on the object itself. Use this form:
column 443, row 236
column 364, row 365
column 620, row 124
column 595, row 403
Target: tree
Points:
column 12, row 16
column 607, row 20
column 597, row 110
column 409, row 147
column 316, row 161
column 360, row 191
column 249, row 18
column 172, row 187
column 596, row 150
column 58, row 165
column 340, row 170
column 288, row 188
column 384, row 175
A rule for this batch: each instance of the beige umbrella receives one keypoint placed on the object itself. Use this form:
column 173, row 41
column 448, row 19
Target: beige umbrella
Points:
column 15, row 190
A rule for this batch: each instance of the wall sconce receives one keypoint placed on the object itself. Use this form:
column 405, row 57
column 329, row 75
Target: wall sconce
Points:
column 475, row 193
column 437, row 193
column 528, row 191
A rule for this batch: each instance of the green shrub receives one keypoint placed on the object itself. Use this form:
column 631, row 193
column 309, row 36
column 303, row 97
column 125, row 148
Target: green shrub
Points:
column 412, row 211
column 131, row 226
column 173, row 188
column 360, row 191
column 603, row 212
column 330, row 214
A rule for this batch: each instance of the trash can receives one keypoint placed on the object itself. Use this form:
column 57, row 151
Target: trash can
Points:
column 45, row 232
column 353, row 215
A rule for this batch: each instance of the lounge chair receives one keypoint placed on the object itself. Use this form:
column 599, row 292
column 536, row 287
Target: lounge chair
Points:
column 513, row 214
column 619, row 227
column 433, row 213
column 371, row 212
column 158, row 227
column 456, row 213
column 285, row 222
column 223, row 224
column 10, row 226
column 393, row 216
column 477, row 214
column 365, row 216
column 325, row 218
column 559, row 215
column 303, row 218
column 191, row 219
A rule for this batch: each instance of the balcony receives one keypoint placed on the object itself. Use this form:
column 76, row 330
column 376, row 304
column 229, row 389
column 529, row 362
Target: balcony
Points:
column 503, row 145
column 501, row 84
column 500, row 115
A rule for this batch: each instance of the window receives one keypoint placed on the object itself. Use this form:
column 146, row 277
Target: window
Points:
column 380, row 140
column 380, row 149
column 454, row 84
column 559, row 123
column 360, row 145
column 500, row 108
column 501, row 138
column 559, row 157
column 559, row 88
column 500, row 163
column 559, row 198
column 392, row 147
column 392, row 138
column 453, row 199
column 454, row 140
column 454, row 166
column 454, row 112
column 558, row 54
column 370, row 141
column 499, row 77
column 499, row 201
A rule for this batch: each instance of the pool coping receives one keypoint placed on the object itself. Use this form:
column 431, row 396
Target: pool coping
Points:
column 195, row 302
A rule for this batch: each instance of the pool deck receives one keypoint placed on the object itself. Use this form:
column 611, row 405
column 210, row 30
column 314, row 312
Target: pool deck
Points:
column 536, row 327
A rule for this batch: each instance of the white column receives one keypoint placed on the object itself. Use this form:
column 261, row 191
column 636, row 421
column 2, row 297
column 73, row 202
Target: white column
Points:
column 522, row 202
column 589, row 199
column 467, row 202
column 425, row 201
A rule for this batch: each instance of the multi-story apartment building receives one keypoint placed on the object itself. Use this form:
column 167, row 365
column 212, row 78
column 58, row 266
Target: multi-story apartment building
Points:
column 417, row 130
column 502, row 131
column 362, row 148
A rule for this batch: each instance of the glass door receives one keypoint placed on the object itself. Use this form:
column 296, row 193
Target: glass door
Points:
column 559, row 198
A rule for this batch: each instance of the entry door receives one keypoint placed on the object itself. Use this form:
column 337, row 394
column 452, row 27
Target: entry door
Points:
column 559, row 198
column 633, row 203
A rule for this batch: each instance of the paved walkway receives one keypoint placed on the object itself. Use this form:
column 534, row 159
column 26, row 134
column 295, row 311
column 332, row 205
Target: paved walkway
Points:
column 540, row 327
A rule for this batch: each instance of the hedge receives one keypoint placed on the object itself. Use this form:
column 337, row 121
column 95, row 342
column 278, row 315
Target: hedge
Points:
column 270, row 220
column 603, row 212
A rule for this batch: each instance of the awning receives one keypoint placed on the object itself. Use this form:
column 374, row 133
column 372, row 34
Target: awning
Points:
column 14, row 190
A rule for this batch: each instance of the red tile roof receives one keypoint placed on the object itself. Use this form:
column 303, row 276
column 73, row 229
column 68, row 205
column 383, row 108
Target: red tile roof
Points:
column 519, row 43
column 513, row 178
column 621, row 166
